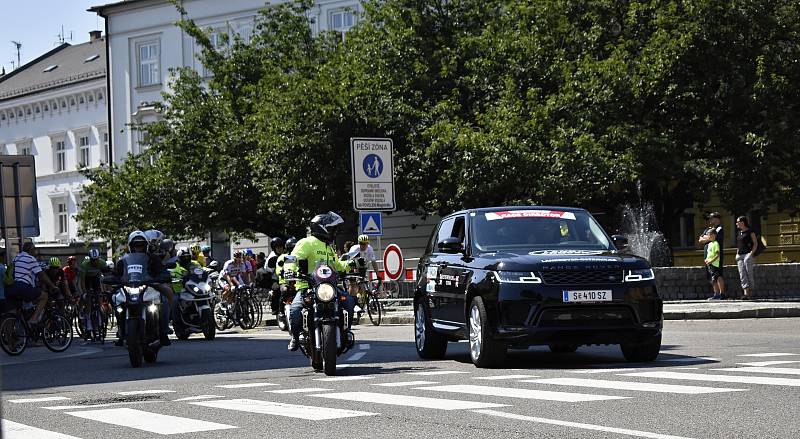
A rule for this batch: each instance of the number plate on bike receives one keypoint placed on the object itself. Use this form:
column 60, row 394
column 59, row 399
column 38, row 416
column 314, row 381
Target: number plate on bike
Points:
column 587, row 295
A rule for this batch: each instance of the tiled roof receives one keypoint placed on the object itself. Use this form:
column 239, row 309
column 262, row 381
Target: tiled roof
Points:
column 73, row 64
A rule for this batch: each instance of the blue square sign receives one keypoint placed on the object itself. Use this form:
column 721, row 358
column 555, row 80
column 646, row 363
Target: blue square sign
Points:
column 371, row 223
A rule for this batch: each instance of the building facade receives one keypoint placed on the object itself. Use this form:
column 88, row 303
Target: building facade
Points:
column 54, row 108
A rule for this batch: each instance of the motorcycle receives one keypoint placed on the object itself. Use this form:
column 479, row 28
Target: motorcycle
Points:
column 136, row 294
column 195, row 312
column 286, row 292
column 325, row 332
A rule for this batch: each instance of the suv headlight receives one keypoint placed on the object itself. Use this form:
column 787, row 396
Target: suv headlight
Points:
column 517, row 277
column 326, row 292
column 639, row 274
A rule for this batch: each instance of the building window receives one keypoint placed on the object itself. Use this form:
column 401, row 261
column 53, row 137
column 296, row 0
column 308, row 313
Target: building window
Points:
column 106, row 151
column 148, row 54
column 83, row 143
column 62, row 217
column 61, row 156
column 24, row 148
column 342, row 21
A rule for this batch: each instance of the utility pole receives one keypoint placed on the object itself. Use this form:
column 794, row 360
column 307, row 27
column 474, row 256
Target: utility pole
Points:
column 18, row 44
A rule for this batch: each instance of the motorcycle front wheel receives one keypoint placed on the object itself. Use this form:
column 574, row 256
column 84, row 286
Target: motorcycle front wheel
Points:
column 134, row 345
column 209, row 326
column 329, row 349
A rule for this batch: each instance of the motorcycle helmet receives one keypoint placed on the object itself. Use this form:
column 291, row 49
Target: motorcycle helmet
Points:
column 94, row 253
column 55, row 262
column 136, row 239
column 184, row 256
column 275, row 243
column 324, row 225
column 290, row 243
column 154, row 238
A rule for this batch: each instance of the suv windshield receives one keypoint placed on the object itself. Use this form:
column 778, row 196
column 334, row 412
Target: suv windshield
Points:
column 537, row 229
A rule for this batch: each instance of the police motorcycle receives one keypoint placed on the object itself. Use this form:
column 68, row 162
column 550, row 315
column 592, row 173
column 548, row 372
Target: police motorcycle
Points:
column 195, row 306
column 325, row 332
column 135, row 293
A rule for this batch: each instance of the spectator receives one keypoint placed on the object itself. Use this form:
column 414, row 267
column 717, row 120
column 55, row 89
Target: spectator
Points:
column 747, row 244
column 715, row 224
column 713, row 265
column 261, row 259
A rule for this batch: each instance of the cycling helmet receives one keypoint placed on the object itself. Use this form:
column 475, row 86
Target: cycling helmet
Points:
column 137, row 235
column 195, row 248
column 94, row 253
column 275, row 243
column 55, row 262
column 290, row 243
column 71, row 259
column 248, row 252
column 110, row 264
column 324, row 225
column 205, row 248
column 363, row 239
column 237, row 254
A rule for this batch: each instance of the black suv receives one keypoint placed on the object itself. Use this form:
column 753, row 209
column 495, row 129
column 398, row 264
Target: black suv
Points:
column 511, row 277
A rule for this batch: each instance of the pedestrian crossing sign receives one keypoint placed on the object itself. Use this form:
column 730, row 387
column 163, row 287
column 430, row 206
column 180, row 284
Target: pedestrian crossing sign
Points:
column 371, row 223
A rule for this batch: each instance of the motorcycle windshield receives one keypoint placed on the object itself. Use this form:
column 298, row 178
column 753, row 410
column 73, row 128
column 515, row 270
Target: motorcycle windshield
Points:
column 136, row 271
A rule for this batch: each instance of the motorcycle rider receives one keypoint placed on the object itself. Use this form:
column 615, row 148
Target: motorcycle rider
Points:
column 138, row 242
column 184, row 265
column 311, row 251
column 206, row 251
column 197, row 254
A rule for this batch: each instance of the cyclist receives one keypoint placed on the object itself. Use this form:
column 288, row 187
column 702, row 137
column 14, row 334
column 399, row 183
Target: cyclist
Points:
column 57, row 277
column 71, row 275
column 231, row 276
column 310, row 252
column 197, row 255
column 89, row 272
column 363, row 250
column 27, row 272
column 206, row 251
column 250, row 264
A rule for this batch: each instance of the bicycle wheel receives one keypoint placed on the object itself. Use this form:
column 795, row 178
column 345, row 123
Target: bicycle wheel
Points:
column 13, row 336
column 221, row 318
column 375, row 310
column 57, row 333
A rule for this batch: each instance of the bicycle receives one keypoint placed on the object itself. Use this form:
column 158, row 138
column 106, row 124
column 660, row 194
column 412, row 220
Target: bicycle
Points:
column 96, row 322
column 53, row 329
column 367, row 299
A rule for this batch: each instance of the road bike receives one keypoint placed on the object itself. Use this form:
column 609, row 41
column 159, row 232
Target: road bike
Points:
column 367, row 299
column 16, row 333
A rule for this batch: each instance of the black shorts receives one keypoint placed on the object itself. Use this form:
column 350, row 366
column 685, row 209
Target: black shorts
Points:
column 714, row 273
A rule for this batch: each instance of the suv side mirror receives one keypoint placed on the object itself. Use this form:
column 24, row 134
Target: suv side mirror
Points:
column 450, row 245
column 620, row 241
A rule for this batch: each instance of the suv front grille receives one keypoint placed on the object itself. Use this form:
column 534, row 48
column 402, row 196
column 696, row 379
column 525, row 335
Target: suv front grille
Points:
column 595, row 316
column 578, row 277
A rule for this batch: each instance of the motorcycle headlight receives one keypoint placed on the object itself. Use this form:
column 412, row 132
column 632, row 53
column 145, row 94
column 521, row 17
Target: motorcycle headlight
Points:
column 326, row 292
column 517, row 277
column 639, row 274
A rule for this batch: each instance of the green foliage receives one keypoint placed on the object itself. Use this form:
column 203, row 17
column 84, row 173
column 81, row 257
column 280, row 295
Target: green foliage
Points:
column 488, row 102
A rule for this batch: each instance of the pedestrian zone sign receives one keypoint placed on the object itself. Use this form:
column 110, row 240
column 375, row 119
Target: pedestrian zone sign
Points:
column 373, row 174
column 371, row 223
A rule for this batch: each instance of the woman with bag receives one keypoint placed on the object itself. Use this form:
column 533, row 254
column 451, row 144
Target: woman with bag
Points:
column 747, row 244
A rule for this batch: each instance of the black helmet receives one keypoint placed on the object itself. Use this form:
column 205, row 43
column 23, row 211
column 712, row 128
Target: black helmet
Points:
column 324, row 226
column 275, row 242
column 290, row 244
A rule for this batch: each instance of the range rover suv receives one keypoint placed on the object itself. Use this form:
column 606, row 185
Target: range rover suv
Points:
column 512, row 277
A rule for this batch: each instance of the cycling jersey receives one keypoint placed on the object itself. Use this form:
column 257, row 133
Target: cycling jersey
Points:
column 89, row 270
column 200, row 259
column 316, row 251
column 232, row 269
column 368, row 254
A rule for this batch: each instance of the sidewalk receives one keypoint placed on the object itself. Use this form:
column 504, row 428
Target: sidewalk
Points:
column 675, row 310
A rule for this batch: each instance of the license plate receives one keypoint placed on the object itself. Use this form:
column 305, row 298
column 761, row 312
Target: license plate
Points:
column 587, row 296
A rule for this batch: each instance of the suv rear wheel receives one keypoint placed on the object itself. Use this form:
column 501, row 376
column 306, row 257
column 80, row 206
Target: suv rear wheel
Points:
column 430, row 344
column 642, row 352
column 483, row 349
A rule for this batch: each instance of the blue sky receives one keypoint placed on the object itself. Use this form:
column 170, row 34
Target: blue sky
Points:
column 37, row 23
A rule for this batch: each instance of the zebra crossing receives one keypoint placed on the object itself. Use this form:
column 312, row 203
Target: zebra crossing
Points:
column 488, row 393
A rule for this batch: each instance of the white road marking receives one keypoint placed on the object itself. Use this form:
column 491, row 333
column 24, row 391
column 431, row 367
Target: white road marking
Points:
column 633, row 385
column 305, row 390
column 768, row 363
column 406, row 383
column 149, row 421
column 244, row 385
column 772, row 370
column 742, row 379
column 198, row 398
column 145, row 392
column 687, row 359
column 603, row 428
column 279, row 409
column 510, row 392
column 583, row 371
column 15, row 430
column 75, row 407
column 436, row 372
column 408, row 401
column 505, row 377
column 43, row 399
column 769, row 354
column 346, row 378
column 363, row 346
column 355, row 357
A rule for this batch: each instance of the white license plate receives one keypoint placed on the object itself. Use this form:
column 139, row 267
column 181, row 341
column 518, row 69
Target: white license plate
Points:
column 587, row 296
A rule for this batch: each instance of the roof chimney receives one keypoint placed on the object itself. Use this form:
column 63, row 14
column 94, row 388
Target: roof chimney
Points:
column 95, row 35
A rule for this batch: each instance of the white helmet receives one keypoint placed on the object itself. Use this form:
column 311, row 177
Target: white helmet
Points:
column 136, row 235
column 183, row 251
column 94, row 253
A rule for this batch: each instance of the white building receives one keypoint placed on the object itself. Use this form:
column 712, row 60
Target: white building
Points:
column 54, row 108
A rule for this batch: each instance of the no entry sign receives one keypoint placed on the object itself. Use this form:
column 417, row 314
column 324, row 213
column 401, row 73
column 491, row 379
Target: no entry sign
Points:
column 392, row 262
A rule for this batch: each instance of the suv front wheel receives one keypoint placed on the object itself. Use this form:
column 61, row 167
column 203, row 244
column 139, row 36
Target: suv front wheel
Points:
column 483, row 349
column 430, row 344
column 642, row 352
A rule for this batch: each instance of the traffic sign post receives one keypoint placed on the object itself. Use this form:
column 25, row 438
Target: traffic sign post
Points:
column 373, row 174
column 392, row 262
column 371, row 223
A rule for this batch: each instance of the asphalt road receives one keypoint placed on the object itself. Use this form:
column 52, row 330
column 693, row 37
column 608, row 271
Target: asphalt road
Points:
column 713, row 379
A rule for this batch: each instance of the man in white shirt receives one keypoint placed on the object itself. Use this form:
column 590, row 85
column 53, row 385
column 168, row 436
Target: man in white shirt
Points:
column 363, row 250
column 26, row 272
